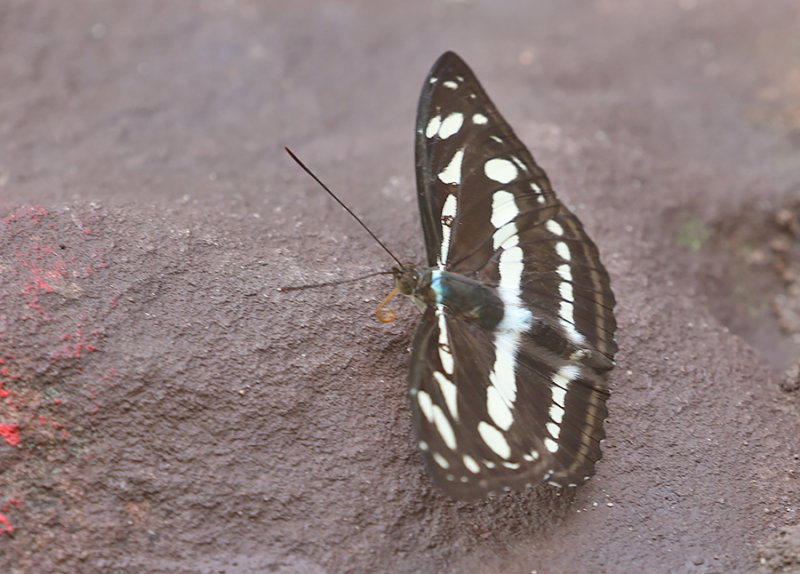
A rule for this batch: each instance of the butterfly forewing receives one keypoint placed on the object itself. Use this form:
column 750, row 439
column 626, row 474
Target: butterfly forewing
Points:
column 524, row 400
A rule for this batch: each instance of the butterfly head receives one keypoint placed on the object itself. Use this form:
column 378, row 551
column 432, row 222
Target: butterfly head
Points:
column 407, row 282
column 406, row 278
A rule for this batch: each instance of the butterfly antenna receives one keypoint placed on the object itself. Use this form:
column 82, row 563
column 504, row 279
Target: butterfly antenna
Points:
column 329, row 283
column 340, row 202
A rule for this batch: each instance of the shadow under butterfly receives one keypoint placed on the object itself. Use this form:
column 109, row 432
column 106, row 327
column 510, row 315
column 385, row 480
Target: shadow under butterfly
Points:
column 507, row 372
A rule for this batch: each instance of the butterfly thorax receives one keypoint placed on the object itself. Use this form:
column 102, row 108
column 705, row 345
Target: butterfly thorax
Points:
column 461, row 296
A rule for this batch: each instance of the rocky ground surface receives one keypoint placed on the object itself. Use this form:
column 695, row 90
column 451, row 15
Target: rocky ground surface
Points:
column 163, row 408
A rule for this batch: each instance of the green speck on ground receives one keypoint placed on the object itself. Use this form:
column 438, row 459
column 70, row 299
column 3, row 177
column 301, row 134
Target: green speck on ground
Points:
column 693, row 233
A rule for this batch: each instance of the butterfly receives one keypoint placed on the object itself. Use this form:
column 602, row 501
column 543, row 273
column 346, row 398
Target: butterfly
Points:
column 507, row 370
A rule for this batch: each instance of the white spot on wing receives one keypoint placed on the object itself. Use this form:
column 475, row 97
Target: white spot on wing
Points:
column 448, row 389
column 494, row 439
column 450, row 125
column 567, row 312
column 450, row 84
column 451, row 175
column 506, row 236
column 448, row 213
column 498, row 409
column 500, row 170
column 556, row 413
column 554, row 227
column 445, row 351
column 443, row 426
column 504, row 208
column 561, row 379
column 564, row 272
column 540, row 198
column 425, row 404
column 565, row 290
column 506, row 346
column 563, row 250
column 440, row 460
column 566, row 374
column 471, row 464
column 566, row 309
column 433, row 126
column 559, row 392
column 479, row 119
column 449, row 207
column 423, row 446
column 511, row 268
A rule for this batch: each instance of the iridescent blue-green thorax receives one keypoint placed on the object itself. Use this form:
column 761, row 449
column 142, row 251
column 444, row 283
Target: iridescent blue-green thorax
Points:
column 463, row 297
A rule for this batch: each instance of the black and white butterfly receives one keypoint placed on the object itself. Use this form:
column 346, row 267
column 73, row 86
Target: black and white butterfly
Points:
column 507, row 368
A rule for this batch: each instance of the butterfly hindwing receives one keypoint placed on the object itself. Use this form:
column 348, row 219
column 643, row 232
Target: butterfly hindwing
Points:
column 523, row 400
column 456, row 455
column 472, row 442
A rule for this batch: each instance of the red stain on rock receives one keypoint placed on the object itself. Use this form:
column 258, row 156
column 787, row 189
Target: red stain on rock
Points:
column 5, row 373
column 73, row 350
column 31, row 212
column 40, row 269
column 10, row 433
column 49, row 263
column 5, row 525
column 44, row 286
column 108, row 376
